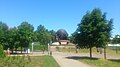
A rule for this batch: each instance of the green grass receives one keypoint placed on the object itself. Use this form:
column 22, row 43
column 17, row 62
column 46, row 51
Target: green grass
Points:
column 109, row 50
column 50, row 62
column 96, row 62
column 27, row 61
column 101, row 62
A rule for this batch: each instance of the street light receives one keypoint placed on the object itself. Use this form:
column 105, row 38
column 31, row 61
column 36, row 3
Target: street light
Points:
column 32, row 47
column 49, row 52
column 48, row 49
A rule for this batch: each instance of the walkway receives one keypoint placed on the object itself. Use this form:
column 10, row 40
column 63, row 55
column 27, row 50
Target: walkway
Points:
column 65, row 60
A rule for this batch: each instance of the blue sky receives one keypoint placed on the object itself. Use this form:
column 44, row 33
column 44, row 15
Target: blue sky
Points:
column 56, row 14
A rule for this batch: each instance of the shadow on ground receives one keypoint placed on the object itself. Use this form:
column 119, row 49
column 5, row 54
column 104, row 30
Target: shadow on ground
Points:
column 18, row 53
column 88, row 58
column 115, row 60
column 82, row 57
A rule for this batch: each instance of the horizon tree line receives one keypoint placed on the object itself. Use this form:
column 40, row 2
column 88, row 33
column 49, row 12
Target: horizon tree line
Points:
column 23, row 35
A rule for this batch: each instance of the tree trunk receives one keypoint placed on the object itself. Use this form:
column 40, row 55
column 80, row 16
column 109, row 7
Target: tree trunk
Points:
column 27, row 50
column 15, row 50
column 43, row 51
column 90, row 53
column 97, row 49
column 21, row 49
column 105, row 53
column 116, row 50
column 12, row 51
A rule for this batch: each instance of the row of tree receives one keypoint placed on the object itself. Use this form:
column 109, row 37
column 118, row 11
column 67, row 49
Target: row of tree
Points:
column 23, row 35
column 94, row 30
column 116, row 39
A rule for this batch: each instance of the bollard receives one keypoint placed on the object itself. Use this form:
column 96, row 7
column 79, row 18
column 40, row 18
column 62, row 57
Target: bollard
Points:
column 50, row 53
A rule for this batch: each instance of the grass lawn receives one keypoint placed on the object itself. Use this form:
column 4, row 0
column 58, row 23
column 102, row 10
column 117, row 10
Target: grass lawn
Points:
column 101, row 62
column 29, row 61
column 94, row 50
column 96, row 62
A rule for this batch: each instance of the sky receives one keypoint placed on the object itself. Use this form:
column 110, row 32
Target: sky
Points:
column 56, row 14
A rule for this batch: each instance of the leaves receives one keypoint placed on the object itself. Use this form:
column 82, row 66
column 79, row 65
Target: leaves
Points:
column 25, row 31
column 94, row 29
column 43, row 35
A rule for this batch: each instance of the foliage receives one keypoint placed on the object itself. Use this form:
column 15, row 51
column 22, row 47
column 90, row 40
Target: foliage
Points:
column 74, row 38
column 93, row 31
column 43, row 36
column 28, row 61
column 3, row 33
column 53, row 35
column 25, row 33
column 38, row 47
column 11, row 38
column 116, row 39
column 2, row 53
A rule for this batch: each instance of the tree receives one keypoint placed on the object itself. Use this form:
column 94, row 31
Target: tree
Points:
column 10, row 37
column 53, row 35
column 25, row 31
column 116, row 39
column 2, row 53
column 73, row 37
column 34, row 38
column 94, row 30
column 43, row 36
column 3, row 32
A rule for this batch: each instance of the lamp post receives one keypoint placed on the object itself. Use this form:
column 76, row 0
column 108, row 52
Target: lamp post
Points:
column 32, row 47
column 116, row 46
column 28, row 50
column 48, row 49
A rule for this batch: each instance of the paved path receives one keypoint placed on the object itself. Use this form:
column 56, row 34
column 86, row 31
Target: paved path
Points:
column 65, row 60
column 71, row 59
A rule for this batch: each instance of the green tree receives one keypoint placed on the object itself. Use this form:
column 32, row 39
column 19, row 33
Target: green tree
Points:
column 2, row 53
column 94, row 30
column 12, row 38
column 34, row 38
column 25, row 31
column 74, row 37
column 43, row 36
column 53, row 35
column 116, row 39
column 3, row 32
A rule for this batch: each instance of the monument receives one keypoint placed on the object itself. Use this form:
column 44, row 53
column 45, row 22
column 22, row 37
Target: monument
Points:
column 62, row 37
column 62, row 40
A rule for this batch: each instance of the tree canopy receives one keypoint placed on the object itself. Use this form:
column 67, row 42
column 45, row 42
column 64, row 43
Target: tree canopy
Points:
column 23, row 35
column 43, row 35
column 116, row 39
column 94, row 30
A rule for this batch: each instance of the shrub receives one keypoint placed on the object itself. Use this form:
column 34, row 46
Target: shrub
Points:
column 2, row 53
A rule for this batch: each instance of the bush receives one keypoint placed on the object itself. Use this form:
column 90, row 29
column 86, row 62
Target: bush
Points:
column 39, row 47
column 2, row 53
